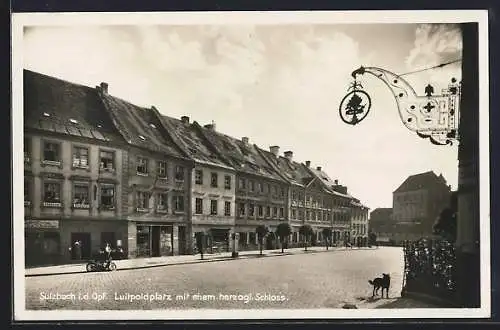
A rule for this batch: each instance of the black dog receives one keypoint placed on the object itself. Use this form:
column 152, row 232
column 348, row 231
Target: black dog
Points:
column 383, row 282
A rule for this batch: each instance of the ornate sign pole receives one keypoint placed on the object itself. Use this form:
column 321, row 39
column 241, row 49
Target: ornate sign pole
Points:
column 437, row 117
column 431, row 116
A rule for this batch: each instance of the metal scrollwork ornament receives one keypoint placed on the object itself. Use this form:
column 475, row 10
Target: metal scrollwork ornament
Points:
column 355, row 105
column 431, row 116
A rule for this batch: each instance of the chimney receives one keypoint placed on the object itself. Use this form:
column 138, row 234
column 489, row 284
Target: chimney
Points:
column 336, row 181
column 104, row 88
column 308, row 163
column 318, row 168
column 275, row 150
column 245, row 140
column 289, row 155
column 210, row 126
column 185, row 119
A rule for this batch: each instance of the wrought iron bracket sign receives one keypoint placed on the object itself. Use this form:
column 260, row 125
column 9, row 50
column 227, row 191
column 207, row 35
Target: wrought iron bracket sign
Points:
column 431, row 116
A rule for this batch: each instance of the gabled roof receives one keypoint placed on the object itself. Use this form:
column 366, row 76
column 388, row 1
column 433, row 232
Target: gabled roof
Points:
column 294, row 172
column 243, row 157
column 421, row 181
column 327, row 182
column 59, row 106
column 140, row 126
column 198, row 148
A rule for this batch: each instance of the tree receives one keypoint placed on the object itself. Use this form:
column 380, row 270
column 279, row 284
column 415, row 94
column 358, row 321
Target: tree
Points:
column 306, row 231
column 446, row 225
column 372, row 239
column 283, row 231
column 327, row 234
column 200, row 238
column 262, row 232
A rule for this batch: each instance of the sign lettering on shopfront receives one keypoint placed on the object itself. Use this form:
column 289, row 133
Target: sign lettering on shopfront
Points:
column 41, row 224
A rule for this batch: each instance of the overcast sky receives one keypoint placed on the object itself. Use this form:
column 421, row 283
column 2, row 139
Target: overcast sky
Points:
column 277, row 84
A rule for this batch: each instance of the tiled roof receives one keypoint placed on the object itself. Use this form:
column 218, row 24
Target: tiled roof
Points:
column 244, row 157
column 197, row 147
column 140, row 126
column 327, row 181
column 55, row 105
column 292, row 171
column 421, row 181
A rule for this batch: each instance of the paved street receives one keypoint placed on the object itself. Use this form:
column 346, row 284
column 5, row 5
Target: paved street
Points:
column 309, row 280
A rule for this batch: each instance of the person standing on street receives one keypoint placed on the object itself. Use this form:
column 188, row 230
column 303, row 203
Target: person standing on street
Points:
column 107, row 250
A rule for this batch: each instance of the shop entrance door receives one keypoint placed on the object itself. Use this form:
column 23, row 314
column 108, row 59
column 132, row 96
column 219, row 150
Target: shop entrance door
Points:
column 155, row 241
column 85, row 248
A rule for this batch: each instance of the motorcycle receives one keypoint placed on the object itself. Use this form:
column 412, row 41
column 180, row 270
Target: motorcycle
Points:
column 100, row 266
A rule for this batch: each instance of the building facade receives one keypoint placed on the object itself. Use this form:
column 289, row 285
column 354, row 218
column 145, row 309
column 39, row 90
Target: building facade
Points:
column 99, row 169
column 213, row 185
column 74, row 165
column 381, row 224
column 417, row 202
column 157, row 181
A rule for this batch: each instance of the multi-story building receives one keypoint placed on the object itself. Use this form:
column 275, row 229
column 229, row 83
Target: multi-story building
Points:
column 74, row 166
column 99, row 169
column 417, row 202
column 339, row 202
column 381, row 223
column 212, row 186
column 359, row 223
column 157, row 181
column 261, row 193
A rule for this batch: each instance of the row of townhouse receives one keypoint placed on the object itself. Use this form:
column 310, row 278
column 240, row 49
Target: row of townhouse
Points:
column 99, row 170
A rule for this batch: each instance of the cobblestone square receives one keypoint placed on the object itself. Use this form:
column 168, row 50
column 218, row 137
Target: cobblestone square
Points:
column 308, row 280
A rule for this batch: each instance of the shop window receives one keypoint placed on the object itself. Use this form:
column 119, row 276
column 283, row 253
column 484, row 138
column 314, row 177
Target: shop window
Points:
column 142, row 166
column 27, row 193
column 107, row 197
column 227, row 208
column 198, row 177
column 81, row 199
column 80, row 157
column 213, row 207
column 106, row 160
column 52, row 153
column 27, row 150
column 199, row 206
column 162, row 170
column 52, row 194
column 227, row 182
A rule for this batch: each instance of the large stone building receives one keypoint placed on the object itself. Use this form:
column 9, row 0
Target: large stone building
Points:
column 381, row 223
column 417, row 202
column 99, row 169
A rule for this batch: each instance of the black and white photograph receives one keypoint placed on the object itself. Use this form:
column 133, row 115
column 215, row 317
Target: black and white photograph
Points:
column 251, row 165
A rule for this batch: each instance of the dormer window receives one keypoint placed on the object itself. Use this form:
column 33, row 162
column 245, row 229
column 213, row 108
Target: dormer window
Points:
column 152, row 125
column 99, row 126
column 46, row 114
column 73, row 121
column 142, row 138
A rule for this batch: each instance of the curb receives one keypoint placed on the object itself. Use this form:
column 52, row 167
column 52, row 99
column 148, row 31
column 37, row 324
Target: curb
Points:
column 198, row 261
